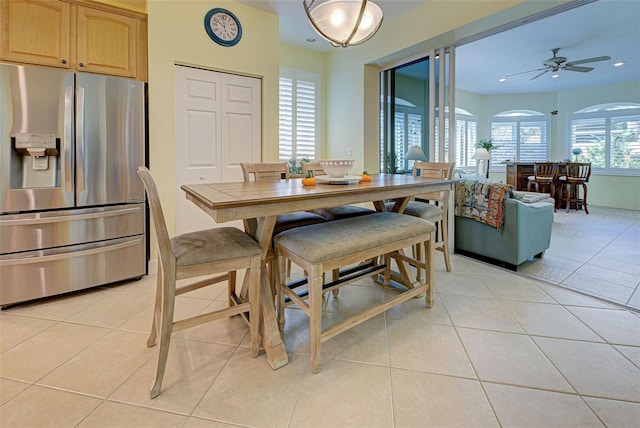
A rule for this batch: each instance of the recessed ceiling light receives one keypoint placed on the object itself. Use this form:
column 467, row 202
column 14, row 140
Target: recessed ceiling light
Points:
column 311, row 39
column 618, row 64
column 502, row 79
column 555, row 76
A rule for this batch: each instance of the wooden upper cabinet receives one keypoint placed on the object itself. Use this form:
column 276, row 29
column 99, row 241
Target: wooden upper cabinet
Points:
column 36, row 32
column 106, row 42
column 80, row 35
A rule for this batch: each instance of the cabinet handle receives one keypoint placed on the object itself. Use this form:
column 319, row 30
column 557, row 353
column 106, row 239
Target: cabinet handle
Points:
column 81, row 64
column 64, row 61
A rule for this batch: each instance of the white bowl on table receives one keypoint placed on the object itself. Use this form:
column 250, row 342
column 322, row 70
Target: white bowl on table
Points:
column 336, row 168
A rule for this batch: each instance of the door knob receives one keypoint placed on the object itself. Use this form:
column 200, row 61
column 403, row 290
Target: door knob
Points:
column 202, row 177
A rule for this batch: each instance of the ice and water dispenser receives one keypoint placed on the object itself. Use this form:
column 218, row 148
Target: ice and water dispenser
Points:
column 35, row 161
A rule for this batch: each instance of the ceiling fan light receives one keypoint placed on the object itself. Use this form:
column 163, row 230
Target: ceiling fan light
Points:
column 555, row 76
column 502, row 79
column 344, row 22
column 618, row 64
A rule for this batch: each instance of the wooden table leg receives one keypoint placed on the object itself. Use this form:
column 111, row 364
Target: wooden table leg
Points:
column 271, row 339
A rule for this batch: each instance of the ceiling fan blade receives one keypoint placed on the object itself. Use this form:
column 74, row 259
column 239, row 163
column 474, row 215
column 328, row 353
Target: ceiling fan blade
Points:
column 577, row 68
column 524, row 72
column 538, row 75
column 594, row 59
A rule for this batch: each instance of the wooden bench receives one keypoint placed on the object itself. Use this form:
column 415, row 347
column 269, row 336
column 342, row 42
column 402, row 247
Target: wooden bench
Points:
column 328, row 246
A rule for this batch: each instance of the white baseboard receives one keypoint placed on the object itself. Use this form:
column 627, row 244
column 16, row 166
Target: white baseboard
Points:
column 153, row 266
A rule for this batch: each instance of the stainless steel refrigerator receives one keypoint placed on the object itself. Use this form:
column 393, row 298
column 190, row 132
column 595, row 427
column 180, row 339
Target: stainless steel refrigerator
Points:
column 72, row 211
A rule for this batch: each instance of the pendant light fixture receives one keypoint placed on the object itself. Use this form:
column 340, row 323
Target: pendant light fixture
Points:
column 344, row 22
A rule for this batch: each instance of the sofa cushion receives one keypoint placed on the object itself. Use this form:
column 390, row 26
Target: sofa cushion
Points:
column 529, row 197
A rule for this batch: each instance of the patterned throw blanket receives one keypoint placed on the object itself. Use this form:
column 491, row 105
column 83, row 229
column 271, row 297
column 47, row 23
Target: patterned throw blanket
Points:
column 481, row 201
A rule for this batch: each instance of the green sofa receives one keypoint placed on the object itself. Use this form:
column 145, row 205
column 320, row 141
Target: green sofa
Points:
column 526, row 233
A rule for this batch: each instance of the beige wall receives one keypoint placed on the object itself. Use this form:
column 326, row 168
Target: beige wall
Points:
column 177, row 35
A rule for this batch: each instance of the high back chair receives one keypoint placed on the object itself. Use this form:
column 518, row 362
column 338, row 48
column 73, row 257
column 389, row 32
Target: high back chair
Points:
column 544, row 174
column 577, row 174
column 333, row 213
column 273, row 171
column 218, row 251
column 314, row 168
column 433, row 207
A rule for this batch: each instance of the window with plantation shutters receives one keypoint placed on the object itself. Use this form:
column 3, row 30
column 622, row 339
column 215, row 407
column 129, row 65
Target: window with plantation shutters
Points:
column 608, row 136
column 298, row 131
column 519, row 136
column 466, row 136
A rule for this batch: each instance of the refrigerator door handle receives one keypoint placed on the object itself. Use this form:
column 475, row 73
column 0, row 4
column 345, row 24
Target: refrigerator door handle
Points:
column 80, row 139
column 68, row 123
column 67, row 218
column 66, row 255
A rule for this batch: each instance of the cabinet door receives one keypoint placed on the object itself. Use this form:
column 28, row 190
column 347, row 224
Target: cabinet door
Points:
column 106, row 43
column 35, row 32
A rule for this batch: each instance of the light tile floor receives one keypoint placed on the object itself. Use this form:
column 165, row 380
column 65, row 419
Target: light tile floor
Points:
column 596, row 254
column 497, row 349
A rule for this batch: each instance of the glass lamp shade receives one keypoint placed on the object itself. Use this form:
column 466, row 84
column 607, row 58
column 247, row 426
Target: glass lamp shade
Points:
column 415, row 153
column 482, row 154
column 344, row 22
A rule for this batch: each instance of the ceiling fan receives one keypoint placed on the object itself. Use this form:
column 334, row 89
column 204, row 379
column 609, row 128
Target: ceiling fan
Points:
column 556, row 63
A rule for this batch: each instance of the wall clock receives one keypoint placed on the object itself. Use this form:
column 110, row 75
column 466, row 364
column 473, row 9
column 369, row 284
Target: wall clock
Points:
column 223, row 27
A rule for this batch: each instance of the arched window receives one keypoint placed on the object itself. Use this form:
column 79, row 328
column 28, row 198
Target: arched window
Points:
column 608, row 136
column 519, row 136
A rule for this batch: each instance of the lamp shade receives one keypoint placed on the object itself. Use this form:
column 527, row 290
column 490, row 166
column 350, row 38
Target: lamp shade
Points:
column 344, row 22
column 415, row 153
column 482, row 154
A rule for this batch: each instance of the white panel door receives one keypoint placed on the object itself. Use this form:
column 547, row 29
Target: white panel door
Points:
column 218, row 122
column 241, row 124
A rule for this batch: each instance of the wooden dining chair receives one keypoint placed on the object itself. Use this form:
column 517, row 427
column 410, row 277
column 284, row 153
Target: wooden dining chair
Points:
column 577, row 174
column 275, row 171
column 433, row 207
column 333, row 213
column 213, row 254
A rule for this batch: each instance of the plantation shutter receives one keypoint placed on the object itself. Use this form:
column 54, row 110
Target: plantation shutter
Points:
column 298, row 131
column 589, row 135
column 286, row 118
column 533, row 142
column 305, row 120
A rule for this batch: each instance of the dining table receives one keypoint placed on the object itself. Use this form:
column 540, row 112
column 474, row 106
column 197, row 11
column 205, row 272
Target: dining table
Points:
column 262, row 201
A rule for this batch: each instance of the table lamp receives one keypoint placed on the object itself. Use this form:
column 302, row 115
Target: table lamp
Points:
column 415, row 153
column 483, row 154
column 577, row 152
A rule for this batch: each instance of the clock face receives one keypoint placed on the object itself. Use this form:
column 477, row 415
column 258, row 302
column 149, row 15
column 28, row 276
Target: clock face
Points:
column 223, row 27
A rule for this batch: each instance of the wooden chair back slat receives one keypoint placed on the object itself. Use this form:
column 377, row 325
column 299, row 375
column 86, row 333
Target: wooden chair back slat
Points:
column 545, row 170
column 579, row 171
column 435, row 170
column 313, row 167
column 273, row 171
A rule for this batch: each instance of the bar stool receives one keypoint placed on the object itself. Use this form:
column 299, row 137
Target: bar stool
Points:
column 577, row 174
column 276, row 171
column 333, row 213
column 219, row 251
column 433, row 207
column 544, row 174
